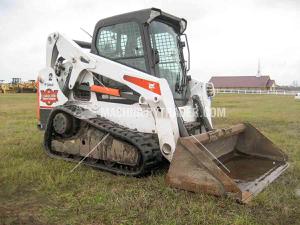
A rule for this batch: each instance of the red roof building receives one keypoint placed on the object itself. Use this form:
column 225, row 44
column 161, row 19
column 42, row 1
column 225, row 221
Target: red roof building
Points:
column 243, row 82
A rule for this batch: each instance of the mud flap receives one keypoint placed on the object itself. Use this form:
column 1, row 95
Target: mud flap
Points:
column 238, row 161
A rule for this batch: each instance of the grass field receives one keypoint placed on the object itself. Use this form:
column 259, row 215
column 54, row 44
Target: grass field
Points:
column 35, row 189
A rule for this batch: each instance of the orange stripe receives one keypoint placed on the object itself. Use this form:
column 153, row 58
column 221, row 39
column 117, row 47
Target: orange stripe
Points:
column 105, row 90
column 146, row 84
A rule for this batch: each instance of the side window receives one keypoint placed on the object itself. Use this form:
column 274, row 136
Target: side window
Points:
column 122, row 43
column 164, row 39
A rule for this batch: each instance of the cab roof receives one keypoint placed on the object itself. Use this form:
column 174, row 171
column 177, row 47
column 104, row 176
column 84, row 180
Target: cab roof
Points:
column 145, row 16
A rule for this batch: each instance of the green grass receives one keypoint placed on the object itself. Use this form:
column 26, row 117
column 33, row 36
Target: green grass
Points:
column 35, row 189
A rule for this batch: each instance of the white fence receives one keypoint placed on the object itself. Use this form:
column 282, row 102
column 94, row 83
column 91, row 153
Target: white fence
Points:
column 260, row 92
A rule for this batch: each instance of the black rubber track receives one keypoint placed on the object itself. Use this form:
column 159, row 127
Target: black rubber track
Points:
column 147, row 144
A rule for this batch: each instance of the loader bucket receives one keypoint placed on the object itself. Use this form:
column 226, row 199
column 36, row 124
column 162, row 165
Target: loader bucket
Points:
column 238, row 161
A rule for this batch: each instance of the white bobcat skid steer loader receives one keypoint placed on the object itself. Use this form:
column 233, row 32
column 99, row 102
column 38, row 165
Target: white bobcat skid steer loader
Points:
column 124, row 103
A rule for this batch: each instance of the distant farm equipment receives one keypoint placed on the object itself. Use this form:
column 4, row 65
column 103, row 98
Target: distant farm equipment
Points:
column 1, row 83
column 28, row 87
column 18, row 86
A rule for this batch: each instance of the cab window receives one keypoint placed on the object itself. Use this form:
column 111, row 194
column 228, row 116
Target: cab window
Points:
column 122, row 43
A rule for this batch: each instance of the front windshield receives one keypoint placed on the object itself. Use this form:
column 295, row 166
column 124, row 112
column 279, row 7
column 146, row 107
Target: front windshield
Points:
column 164, row 39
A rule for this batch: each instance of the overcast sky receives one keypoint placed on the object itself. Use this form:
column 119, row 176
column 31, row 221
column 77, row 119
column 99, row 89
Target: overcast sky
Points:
column 226, row 37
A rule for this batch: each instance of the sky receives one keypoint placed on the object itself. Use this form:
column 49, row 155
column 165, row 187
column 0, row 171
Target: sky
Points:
column 226, row 37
